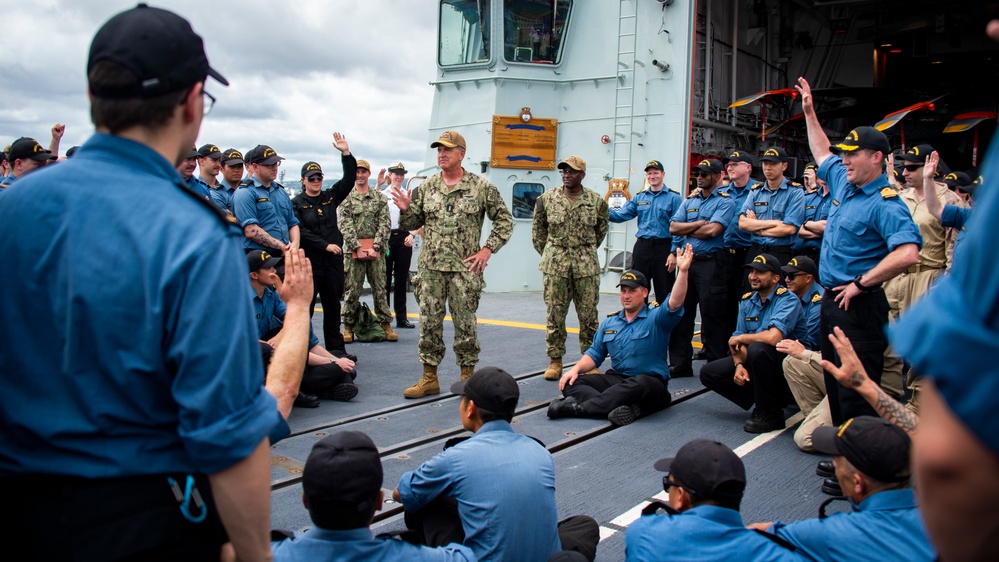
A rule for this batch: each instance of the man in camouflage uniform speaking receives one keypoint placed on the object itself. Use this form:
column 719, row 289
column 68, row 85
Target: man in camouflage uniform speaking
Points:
column 569, row 223
column 364, row 215
column 451, row 206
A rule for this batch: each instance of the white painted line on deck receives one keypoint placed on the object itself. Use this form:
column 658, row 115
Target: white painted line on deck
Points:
column 632, row 515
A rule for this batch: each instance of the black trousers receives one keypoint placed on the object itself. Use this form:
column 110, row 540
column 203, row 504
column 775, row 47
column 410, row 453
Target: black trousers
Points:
column 328, row 282
column 317, row 378
column 864, row 323
column 730, row 262
column 767, row 388
column 397, row 263
column 599, row 394
column 706, row 287
column 649, row 256
column 48, row 517
column 438, row 524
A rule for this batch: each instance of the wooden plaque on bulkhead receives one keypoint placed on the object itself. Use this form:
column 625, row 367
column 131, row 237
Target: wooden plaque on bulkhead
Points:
column 523, row 144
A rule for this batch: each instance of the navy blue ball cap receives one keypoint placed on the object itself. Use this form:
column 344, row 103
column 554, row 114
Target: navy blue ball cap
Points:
column 491, row 388
column 873, row 446
column 863, row 137
column 158, row 46
column 707, row 468
column 764, row 262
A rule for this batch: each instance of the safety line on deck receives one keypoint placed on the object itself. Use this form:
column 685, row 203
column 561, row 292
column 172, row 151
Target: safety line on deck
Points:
column 621, row 522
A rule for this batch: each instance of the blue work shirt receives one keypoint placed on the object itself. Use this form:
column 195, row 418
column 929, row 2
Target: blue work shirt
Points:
column 816, row 209
column 736, row 237
column 638, row 347
column 357, row 545
column 717, row 207
column 504, row 484
column 270, row 311
column 7, row 181
column 120, row 355
column 198, row 186
column 956, row 217
column 222, row 197
column 962, row 313
column 654, row 210
column 786, row 204
column 705, row 532
column 269, row 207
column 885, row 526
column 865, row 224
column 781, row 311
column 806, row 329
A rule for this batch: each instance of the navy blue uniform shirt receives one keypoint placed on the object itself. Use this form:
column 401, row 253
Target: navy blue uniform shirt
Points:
column 736, row 237
column 781, row 311
column 806, row 329
column 786, row 204
column 638, row 347
column 270, row 311
column 269, row 207
column 717, row 207
column 654, row 210
column 816, row 209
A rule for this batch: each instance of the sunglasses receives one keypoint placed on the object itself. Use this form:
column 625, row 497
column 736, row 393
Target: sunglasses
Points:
column 667, row 483
column 703, row 174
column 317, row 177
column 912, row 167
column 794, row 275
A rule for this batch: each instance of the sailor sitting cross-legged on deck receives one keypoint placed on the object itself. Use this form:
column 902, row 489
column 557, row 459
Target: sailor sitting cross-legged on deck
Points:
column 637, row 339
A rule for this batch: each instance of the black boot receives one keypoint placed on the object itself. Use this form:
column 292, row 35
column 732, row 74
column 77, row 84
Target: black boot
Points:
column 565, row 408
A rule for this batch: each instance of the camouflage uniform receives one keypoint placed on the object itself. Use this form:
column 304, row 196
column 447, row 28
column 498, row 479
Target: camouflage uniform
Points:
column 364, row 216
column 452, row 220
column 567, row 235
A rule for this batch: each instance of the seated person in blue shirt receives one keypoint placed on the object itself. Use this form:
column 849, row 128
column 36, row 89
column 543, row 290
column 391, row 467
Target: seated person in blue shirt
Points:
column 637, row 339
column 342, row 489
column 325, row 376
column 753, row 374
column 495, row 491
column 871, row 459
column 705, row 483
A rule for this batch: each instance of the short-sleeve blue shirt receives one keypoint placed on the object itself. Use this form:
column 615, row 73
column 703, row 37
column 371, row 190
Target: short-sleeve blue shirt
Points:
column 504, row 484
column 816, row 209
column 269, row 207
column 638, row 347
column 654, row 210
column 357, row 545
column 148, row 367
column 270, row 310
column 865, row 224
column 781, row 311
column 705, row 532
column 736, row 237
column 198, row 186
column 717, row 207
column 956, row 217
column 885, row 526
column 786, row 204
column 222, row 197
column 806, row 329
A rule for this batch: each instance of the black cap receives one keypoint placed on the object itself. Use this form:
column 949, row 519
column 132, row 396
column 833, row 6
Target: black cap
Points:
column 193, row 153
column 231, row 157
column 874, row 446
column 635, row 279
column 491, row 388
column 709, row 165
column 26, row 148
column 811, row 166
column 655, row 164
column 343, row 472
column 158, row 46
column 739, row 156
column 209, row 151
column 957, row 179
column 774, row 154
column 259, row 259
column 708, row 469
column 310, row 169
column 764, row 262
column 863, row 137
column 397, row 168
column 72, row 150
column 262, row 154
column 918, row 153
column 801, row 264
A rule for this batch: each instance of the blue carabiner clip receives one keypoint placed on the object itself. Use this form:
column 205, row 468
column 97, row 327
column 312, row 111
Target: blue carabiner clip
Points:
column 190, row 491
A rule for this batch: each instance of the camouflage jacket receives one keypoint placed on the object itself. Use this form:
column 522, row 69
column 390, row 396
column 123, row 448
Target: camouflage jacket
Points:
column 364, row 216
column 452, row 220
column 567, row 234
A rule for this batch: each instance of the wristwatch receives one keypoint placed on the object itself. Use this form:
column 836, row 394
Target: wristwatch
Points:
column 856, row 281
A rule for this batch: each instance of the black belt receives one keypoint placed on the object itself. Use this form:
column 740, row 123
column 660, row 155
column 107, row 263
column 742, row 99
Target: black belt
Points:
column 399, row 231
column 774, row 246
column 733, row 250
column 705, row 257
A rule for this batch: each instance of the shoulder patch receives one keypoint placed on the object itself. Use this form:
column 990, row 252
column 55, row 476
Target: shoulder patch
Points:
column 722, row 193
column 653, row 304
column 794, row 184
column 757, row 185
column 888, row 193
column 613, row 313
column 781, row 290
column 817, row 297
column 747, row 295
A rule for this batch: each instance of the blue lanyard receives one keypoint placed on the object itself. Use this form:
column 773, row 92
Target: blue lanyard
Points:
column 190, row 490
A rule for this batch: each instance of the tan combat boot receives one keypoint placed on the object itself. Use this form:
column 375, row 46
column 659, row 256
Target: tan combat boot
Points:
column 390, row 334
column 554, row 370
column 467, row 371
column 348, row 333
column 426, row 385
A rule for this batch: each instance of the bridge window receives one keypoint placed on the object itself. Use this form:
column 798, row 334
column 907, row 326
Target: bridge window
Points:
column 525, row 195
column 464, row 32
column 533, row 30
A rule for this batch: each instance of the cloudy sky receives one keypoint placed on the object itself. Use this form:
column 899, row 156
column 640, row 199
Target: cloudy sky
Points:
column 298, row 71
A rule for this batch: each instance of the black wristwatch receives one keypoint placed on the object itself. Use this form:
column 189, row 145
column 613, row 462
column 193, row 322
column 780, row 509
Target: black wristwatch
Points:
column 856, row 281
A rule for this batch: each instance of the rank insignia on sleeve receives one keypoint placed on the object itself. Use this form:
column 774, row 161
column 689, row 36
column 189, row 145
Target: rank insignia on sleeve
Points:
column 817, row 297
column 888, row 193
column 746, row 296
column 653, row 304
column 610, row 332
column 781, row 290
column 613, row 314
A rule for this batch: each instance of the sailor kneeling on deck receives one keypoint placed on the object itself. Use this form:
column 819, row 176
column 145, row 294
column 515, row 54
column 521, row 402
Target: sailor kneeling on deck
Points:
column 637, row 339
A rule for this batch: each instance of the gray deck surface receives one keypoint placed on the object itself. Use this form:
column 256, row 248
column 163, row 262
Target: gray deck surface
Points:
column 603, row 477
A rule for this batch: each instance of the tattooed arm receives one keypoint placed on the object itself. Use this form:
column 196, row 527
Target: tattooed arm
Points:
column 851, row 375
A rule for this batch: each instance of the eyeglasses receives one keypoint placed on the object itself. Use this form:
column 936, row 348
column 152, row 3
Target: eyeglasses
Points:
column 209, row 102
column 794, row 275
column 703, row 174
column 913, row 167
column 316, row 177
column 667, row 483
